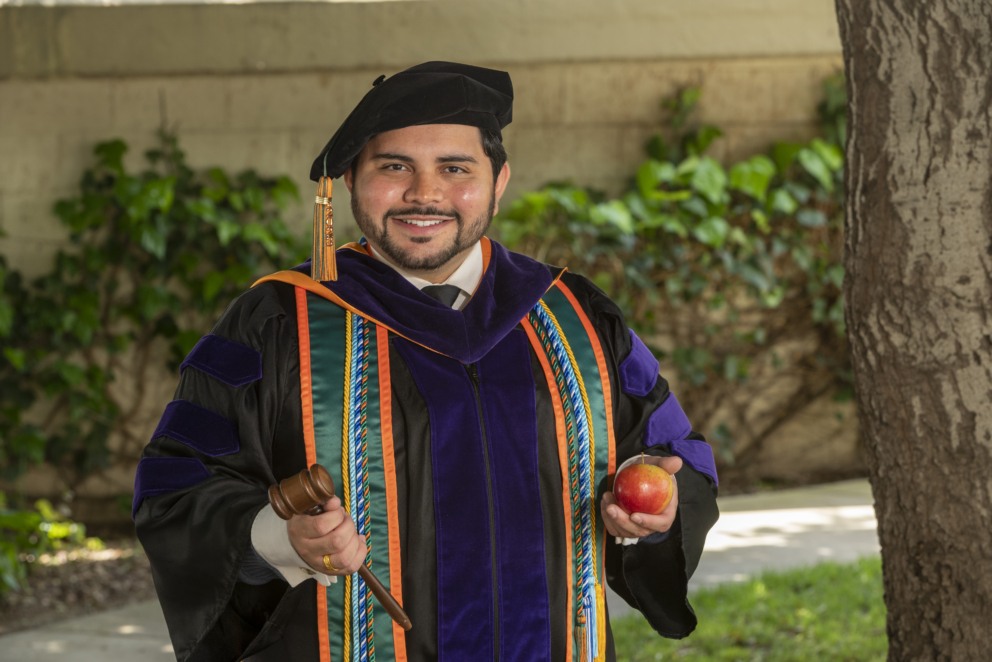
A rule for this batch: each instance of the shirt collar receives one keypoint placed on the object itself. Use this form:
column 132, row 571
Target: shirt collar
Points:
column 466, row 277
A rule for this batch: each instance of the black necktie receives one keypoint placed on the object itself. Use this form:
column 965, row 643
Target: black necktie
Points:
column 446, row 294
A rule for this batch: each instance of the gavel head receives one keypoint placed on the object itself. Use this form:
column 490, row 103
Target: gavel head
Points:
column 303, row 493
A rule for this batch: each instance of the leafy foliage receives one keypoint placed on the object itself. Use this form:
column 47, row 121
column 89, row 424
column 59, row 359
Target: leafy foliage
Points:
column 27, row 533
column 715, row 265
column 153, row 258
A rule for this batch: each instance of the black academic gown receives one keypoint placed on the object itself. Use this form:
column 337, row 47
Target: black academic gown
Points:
column 198, row 492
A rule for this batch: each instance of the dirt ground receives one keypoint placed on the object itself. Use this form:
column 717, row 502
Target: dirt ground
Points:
column 69, row 584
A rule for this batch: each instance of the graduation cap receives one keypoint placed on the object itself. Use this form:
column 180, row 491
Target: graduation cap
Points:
column 429, row 93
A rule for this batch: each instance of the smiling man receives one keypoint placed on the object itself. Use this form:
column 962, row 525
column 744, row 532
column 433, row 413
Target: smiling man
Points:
column 472, row 431
column 424, row 196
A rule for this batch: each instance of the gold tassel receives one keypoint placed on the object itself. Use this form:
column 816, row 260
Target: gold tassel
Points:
column 580, row 630
column 323, row 266
column 600, row 619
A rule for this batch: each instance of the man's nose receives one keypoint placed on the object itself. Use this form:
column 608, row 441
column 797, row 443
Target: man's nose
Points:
column 424, row 187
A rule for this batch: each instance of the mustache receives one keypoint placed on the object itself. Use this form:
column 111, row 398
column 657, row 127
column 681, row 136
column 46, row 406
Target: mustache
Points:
column 423, row 211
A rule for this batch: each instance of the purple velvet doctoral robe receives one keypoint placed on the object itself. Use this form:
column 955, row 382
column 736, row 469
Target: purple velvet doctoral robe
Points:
column 235, row 427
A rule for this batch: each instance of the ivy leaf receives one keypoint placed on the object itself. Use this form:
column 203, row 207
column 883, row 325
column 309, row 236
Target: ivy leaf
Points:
column 572, row 199
column 202, row 208
column 227, row 230
column 811, row 218
column 153, row 239
column 672, row 196
column 712, row 232
column 698, row 142
column 735, row 368
column 72, row 374
column 753, row 176
column 784, row 154
column 710, row 180
column 657, row 148
column 814, row 164
column 110, row 154
column 260, row 233
column 696, row 206
column 614, row 213
column 159, row 193
column 284, row 191
column 755, row 277
column 149, row 300
column 16, row 357
column 783, row 203
column 212, row 285
column 835, row 274
column 760, row 219
column 773, row 298
column 651, row 174
column 831, row 154
column 803, row 257
column 218, row 184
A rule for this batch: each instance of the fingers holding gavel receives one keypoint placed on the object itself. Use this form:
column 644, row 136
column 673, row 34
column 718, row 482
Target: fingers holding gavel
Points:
column 320, row 529
column 331, row 534
column 330, row 537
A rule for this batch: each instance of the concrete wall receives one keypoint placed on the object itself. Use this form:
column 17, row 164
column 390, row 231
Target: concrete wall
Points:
column 265, row 85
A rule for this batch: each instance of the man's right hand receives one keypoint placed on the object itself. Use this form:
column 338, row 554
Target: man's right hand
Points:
column 330, row 533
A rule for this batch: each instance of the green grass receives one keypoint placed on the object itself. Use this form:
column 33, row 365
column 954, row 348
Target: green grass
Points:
column 828, row 612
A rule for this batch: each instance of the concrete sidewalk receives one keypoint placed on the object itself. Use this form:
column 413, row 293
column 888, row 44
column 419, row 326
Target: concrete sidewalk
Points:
column 770, row 531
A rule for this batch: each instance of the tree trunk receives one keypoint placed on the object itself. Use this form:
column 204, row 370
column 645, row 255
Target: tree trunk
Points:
column 918, row 256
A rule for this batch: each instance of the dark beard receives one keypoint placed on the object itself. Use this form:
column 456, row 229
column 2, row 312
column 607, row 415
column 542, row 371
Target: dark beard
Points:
column 379, row 234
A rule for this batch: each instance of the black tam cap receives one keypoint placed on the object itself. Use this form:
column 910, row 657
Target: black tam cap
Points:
column 429, row 93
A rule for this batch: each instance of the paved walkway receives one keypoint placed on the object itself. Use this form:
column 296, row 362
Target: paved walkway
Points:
column 759, row 532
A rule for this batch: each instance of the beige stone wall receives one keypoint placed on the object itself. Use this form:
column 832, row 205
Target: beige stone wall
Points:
column 264, row 85
column 585, row 121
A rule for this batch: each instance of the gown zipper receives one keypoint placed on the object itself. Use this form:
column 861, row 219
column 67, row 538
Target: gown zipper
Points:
column 473, row 373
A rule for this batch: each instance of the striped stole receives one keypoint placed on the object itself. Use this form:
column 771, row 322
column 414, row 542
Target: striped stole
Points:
column 347, row 428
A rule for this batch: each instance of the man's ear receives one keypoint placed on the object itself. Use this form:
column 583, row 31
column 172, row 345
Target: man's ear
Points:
column 349, row 179
column 502, row 179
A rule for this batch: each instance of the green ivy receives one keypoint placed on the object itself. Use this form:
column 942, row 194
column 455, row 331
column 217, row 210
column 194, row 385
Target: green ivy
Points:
column 724, row 260
column 26, row 533
column 152, row 258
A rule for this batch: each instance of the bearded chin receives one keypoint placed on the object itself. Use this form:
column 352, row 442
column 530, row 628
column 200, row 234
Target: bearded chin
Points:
column 379, row 235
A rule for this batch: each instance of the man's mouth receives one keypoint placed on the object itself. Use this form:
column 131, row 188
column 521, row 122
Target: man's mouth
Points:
column 422, row 217
column 422, row 223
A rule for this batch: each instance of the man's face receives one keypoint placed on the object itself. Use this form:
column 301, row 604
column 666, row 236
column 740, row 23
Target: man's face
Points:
column 423, row 195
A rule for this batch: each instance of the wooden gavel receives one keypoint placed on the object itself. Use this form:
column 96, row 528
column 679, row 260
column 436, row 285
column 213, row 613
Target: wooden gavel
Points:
column 303, row 494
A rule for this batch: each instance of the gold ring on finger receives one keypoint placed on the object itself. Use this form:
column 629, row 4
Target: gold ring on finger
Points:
column 330, row 566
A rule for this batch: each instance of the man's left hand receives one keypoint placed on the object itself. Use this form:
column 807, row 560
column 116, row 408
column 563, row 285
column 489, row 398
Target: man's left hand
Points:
column 638, row 525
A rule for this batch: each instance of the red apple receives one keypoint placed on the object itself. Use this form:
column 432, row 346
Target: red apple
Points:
column 643, row 488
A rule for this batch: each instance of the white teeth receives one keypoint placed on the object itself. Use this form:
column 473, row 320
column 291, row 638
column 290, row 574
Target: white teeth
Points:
column 421, row 224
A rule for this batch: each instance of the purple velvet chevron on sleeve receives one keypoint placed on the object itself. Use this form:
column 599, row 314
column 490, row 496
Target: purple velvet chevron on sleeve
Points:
column 200, row 429
column 639, row 371
column 162, row 475
column 229, row 362
column 669, row 427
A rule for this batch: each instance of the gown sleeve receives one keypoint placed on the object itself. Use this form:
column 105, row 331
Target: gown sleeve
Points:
column 653, row 574
column 232, row 429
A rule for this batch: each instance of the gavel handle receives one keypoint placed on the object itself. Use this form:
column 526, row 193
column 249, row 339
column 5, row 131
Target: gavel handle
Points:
column 385, row 598
column 302, row 494
column 381, row 593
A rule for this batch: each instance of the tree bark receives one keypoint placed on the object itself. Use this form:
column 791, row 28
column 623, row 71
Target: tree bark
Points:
column 918, row 292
